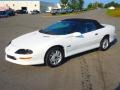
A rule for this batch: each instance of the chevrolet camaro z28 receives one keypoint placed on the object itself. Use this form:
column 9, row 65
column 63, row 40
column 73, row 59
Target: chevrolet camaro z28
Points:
column 58, row 41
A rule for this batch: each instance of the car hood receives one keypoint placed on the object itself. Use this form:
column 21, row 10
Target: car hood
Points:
column 33, row 39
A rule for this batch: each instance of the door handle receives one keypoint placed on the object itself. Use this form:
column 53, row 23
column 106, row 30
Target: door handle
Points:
column 96, row 34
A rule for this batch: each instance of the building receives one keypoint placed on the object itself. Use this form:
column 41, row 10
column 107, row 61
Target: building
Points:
column 28, row 5
column 111, row 7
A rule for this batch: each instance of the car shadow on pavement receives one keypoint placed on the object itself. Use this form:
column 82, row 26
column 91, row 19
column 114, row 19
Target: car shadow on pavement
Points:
column 79, row 54
column 39, row 65
column 114, row 42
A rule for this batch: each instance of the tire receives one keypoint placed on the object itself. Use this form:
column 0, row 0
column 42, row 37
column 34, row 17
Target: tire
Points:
column 105, row 44
column 54, row 57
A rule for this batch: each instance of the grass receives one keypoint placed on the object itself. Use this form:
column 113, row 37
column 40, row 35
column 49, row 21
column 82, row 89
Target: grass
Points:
column 114, row 13
column 73, row 13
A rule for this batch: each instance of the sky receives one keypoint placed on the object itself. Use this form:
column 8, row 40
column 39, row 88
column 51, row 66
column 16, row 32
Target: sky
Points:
column 86, row 1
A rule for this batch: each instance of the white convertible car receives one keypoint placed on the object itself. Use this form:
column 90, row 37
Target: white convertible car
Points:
column 58, row 41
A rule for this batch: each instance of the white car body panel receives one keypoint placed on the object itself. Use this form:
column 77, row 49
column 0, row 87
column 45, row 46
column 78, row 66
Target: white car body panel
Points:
column 40, row 43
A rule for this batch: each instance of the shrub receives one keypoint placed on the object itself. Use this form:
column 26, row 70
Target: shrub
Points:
column 115, row 12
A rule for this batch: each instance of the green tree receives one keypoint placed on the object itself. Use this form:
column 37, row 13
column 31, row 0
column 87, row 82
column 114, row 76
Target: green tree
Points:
column 95, row 5
column 76, row 4
column 64, row 3
column 90, row 6
column 72, row 4
column 80, row 4
column 112, row 4
column 100, row 5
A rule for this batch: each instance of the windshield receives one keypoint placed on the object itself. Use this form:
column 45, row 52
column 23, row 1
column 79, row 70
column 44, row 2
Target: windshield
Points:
column 60, row 28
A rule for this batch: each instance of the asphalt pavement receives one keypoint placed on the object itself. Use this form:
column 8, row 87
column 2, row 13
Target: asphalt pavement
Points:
column 92, row 70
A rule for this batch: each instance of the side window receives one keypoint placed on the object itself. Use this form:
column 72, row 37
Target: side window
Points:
column 85, row 27
column 81, row 28
column 90, row 26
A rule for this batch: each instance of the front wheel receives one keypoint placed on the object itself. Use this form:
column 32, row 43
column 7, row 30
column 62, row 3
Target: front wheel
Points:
column 105, row 44
column 54, row 57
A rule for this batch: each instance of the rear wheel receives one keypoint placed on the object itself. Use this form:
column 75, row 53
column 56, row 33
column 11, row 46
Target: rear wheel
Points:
column 105, row 44
column 54, row 57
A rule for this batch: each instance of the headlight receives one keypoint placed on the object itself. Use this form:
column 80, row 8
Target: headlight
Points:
column 24, row 51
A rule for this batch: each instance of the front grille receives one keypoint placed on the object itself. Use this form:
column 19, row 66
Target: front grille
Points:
column 11, row 57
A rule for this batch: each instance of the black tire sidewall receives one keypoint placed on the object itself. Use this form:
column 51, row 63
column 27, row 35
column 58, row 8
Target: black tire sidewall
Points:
column 47, row 61
column 101, row 44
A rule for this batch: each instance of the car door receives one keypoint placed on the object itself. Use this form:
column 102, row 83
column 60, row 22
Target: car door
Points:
column 92, row 35
column 86, row 41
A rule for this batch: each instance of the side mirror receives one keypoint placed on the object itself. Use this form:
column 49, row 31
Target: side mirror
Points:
column 77, row 34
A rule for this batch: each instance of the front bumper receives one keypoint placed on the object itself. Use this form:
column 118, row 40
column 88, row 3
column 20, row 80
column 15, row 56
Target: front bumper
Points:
column 32, row 59
column 17, row 60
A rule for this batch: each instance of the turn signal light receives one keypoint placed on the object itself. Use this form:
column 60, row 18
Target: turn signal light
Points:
column 25, row 58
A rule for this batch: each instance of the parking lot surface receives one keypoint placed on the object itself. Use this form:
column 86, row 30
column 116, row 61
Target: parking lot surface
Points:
column 93, row 70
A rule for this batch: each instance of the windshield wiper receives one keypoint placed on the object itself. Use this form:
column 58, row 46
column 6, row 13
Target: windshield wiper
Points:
column 42, row 31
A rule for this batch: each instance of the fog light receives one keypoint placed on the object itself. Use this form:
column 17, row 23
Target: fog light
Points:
column 25, row 58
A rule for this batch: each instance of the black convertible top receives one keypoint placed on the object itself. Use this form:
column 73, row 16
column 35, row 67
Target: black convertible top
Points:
column 81, row 20
column 78, row 20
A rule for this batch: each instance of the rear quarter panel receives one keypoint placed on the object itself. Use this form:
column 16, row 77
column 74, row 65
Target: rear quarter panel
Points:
column 109, row 30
